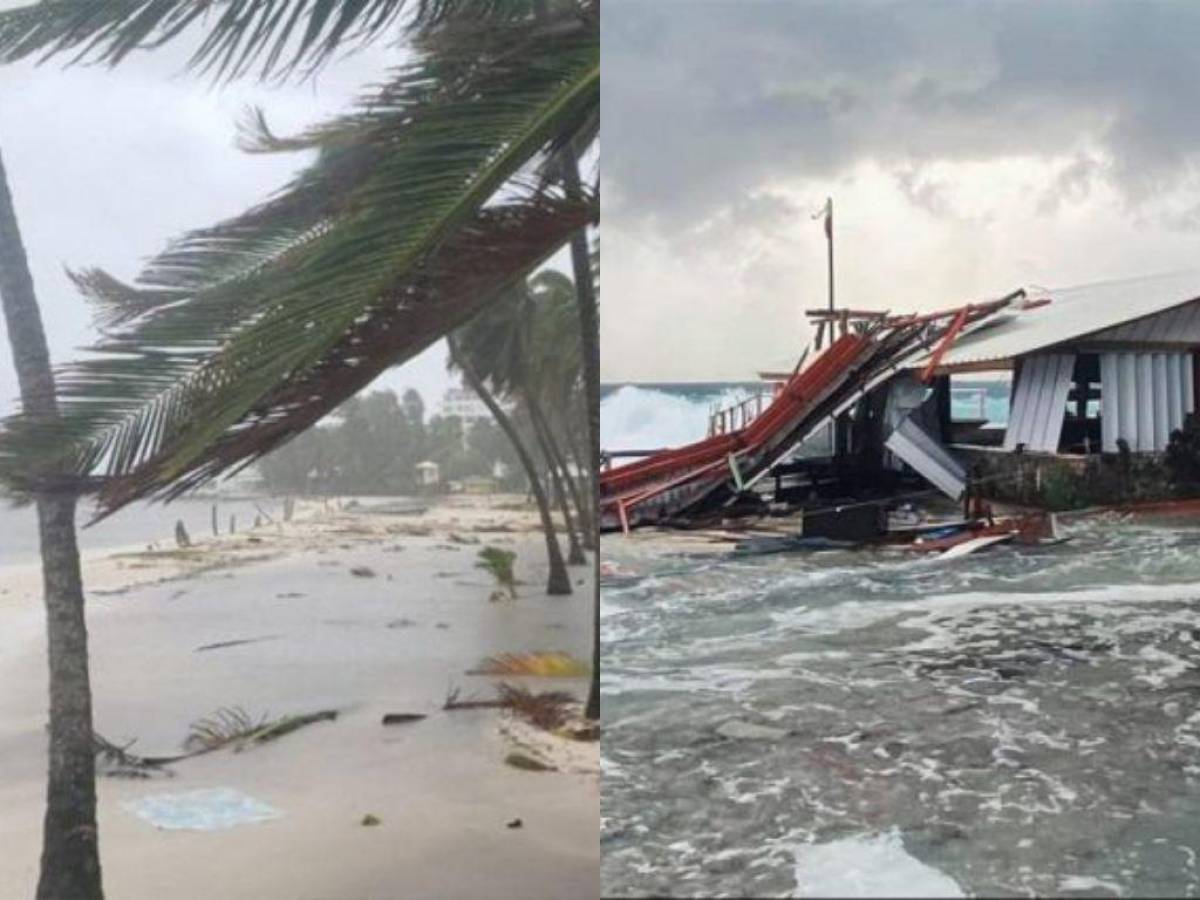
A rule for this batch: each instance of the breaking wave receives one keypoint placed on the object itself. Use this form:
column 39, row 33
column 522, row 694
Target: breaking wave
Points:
column 633, row 417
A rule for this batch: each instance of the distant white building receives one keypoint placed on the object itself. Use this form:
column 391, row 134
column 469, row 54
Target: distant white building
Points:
column 428, row 472
column 464, row 404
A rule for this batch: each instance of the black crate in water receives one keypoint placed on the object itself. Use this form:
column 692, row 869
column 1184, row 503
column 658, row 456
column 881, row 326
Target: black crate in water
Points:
column 849, row 523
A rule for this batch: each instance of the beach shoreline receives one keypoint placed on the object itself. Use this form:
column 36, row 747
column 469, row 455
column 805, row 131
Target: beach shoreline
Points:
column 353, row 610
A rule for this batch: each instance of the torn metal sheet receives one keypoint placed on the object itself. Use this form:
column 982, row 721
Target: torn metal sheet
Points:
column 920, row 450
column 209, row 809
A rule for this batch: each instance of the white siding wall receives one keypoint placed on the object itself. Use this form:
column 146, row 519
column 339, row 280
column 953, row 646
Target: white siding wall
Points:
column 1039, row 402
column 1144, row 397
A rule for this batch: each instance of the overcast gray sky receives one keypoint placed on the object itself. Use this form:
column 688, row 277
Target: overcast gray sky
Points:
column 970, row 148
column 107, row 165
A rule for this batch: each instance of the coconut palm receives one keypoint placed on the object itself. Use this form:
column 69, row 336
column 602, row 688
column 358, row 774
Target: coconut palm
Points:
column 558, row 582
column 555, row 342
column 420, row 207
column 70, row 853
column 500, row 345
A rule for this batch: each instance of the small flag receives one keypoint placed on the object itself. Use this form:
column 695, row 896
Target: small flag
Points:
column 826, row 212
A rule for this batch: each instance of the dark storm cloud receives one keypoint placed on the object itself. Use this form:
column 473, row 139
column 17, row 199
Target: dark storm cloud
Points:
column 703, row 102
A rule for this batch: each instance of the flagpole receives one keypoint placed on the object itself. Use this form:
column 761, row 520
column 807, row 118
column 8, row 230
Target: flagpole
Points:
column 829, row 235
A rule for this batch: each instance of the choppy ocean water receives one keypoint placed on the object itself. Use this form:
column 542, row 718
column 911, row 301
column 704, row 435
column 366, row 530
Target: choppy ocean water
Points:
column 1016, row 723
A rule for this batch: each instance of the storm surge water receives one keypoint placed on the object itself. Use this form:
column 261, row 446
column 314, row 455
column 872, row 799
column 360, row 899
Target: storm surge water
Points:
column 1021, row 722
column 650, row 416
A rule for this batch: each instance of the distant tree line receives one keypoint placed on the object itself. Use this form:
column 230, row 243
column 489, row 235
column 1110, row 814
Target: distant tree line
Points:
column 373, row 442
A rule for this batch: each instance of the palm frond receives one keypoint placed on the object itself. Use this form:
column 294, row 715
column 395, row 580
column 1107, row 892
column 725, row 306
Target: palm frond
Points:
column 280, row 37
column 413, row 217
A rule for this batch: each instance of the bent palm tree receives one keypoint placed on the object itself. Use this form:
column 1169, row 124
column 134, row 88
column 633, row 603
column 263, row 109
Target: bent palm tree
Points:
column 418, row 210
column 70, row 852
column 558, row 582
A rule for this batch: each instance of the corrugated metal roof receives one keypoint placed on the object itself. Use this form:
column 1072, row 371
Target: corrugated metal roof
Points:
column 1076, row 312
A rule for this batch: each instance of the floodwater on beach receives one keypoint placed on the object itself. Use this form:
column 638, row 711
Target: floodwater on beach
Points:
column 1019, row 722
column 135, row 526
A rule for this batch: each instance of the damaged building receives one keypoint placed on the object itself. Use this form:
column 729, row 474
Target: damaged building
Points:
column 1099, row 369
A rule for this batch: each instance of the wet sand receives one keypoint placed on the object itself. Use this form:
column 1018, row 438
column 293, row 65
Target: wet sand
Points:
column 322, row 638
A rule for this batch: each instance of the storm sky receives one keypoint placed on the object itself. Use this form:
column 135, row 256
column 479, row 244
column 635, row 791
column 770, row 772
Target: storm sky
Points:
column 107, row 165
column 970, row 148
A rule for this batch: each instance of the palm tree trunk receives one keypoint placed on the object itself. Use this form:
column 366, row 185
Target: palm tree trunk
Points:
column 584, row 488
column 589, row 328
column 584, row 512
column 559, row 581
column 70, row 865
column 575, row 555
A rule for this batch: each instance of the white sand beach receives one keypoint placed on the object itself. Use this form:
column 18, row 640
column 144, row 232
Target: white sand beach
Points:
column 317, row 637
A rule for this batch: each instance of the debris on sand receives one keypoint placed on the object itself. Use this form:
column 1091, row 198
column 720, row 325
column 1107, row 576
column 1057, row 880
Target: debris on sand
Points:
column 220, row 645
column 208, row 809
column 455, row 538
column 233, row 726
column 519, row 760
column 410, row 530
column 370, row 820
column 402, row 718
column 452, row 702
column 402, row 622
column 542, row 663
column 500, row 564
column 513, row 823
column 117, row 762
column 362, row 572
column 547, row 710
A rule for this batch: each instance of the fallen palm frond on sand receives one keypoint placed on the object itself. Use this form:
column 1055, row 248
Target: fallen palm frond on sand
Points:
column 544, row 664
column 553, row 711
column 233, row 725
column 227, row 726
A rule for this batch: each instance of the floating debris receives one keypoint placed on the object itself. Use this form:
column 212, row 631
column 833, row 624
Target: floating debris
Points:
column 370, row 820
column 362, row 572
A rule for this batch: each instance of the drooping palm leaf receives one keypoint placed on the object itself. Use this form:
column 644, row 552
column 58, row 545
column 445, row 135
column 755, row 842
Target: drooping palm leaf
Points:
column 280, row 36
column 411, row 219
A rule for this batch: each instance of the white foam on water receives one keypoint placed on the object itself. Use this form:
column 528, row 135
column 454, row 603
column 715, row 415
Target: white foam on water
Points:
column 638, row 418
column 875, row 865
column 1087, row 883
column 853, row 614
